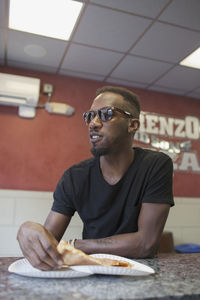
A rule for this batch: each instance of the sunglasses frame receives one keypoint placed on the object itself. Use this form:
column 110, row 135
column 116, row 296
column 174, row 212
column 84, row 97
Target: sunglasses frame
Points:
column 99, row 113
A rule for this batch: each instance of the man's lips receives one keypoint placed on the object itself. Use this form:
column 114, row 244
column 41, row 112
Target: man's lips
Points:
column 95, row 137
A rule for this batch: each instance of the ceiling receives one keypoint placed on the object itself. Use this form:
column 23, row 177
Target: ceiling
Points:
column 136, row 43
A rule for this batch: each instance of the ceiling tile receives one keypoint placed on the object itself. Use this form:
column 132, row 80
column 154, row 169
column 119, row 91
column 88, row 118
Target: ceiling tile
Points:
column 92, row 60
column 105, row 32
column 140, row 70
column 81, row 75
column 18, row 40
column 195, row 93
column 109, row 29
column 30, row 66
column 167, row 42
column 3, row 22
column 126, row 82
column 148, row 8
column 184, row 13
column 166, row 90
column 181, row 78
column 197, row 90
column 2, row 44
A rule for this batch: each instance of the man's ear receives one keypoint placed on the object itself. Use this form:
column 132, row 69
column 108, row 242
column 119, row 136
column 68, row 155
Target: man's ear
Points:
column 134, row 125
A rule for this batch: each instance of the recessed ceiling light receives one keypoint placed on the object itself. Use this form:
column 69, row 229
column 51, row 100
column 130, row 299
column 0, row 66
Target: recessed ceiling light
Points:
column 193, row 60
column 52, row 18
column 35, row 50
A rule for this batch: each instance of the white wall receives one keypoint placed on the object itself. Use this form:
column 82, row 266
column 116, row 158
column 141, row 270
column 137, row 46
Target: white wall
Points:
column 184, row 221
column 17, row 207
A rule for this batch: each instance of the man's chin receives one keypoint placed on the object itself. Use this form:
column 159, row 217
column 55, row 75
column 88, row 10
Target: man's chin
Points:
column 99, row 151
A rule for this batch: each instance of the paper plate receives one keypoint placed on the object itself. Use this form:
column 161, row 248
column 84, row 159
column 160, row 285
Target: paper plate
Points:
column 137, row 269
column 24, row 268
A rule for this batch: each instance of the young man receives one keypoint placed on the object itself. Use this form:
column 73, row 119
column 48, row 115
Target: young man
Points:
column 123, row 194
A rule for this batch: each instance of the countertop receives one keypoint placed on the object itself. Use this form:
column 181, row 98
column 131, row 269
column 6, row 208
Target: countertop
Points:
column 177, row 277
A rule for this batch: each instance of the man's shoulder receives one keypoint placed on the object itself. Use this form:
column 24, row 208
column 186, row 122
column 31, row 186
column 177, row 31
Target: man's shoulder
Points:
column 81, row 167
column 151, row 155
column 87, row 163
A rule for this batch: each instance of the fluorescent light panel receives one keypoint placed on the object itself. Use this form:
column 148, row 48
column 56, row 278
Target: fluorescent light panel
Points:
column 52, row 18
column 193, row 60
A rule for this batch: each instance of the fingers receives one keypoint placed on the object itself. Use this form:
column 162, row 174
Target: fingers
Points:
column 39, row 246
column 50, row 254
column 37, row 256
column 42, row 259
column 36, row 262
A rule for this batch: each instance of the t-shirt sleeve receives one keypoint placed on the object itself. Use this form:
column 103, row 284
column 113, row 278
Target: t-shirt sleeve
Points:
column 159, row 188
column 63, row 196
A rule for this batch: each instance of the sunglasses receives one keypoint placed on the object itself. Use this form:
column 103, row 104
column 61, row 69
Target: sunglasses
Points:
column 104, row 114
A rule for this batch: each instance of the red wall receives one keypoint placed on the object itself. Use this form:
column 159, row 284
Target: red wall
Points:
column 35, row 152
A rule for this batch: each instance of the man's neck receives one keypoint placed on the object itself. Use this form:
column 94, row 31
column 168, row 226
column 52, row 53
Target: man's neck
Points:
column 114, row 166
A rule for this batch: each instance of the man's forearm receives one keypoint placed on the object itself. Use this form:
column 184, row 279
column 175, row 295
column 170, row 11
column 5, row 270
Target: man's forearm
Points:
column 132, row 245
column 140, row 244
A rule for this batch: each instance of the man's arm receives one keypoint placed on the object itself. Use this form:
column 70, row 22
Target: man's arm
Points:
column 57, row 223
column 38, row 243
column 140, row 244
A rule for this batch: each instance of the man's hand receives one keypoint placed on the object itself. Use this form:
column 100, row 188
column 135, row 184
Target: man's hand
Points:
column 39, row 246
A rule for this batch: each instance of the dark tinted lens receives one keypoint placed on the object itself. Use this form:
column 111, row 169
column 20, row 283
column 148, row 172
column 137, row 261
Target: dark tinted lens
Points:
column 88, row 116
column 104, row 114
column 107, row 114
column 85, row 117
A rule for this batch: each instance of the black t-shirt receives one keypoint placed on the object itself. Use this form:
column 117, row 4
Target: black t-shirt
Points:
column 113, row 209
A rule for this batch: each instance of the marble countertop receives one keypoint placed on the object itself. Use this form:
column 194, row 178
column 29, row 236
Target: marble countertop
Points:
column 177, row 277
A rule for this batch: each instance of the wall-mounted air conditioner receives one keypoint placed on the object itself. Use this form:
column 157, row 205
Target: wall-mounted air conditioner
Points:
column 20, row 91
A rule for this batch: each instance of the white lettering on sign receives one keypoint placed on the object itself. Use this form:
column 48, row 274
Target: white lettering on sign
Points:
column 151, row 124
column 156, row 142
column 158, row 133
column 179, row 129
column 192, row 127
column 189, row 162
column 168, row 126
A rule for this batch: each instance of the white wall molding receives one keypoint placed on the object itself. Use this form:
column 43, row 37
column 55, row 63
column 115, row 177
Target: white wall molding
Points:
column 18, row 206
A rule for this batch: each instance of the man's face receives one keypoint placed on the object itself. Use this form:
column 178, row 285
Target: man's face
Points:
column 108, row 137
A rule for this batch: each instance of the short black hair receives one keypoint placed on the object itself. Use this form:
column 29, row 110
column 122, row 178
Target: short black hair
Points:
column 129, row 96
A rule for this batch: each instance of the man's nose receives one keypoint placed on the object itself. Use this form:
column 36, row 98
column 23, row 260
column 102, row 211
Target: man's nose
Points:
column 96, row 122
